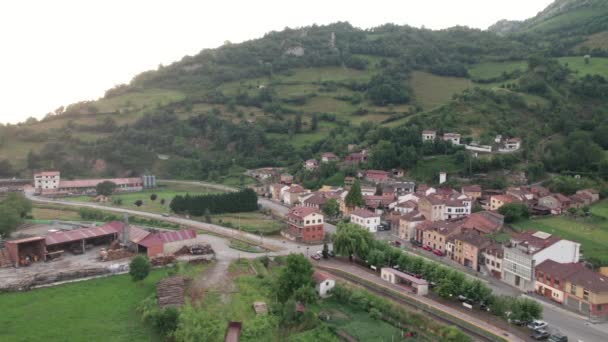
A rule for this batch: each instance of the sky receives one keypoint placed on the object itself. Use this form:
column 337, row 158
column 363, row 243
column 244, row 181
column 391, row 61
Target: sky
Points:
column 58, row 52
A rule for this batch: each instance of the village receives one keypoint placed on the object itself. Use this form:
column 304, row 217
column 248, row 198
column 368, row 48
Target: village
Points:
column 465, row 228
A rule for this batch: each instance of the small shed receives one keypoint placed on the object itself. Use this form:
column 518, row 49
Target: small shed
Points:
column 324, row 283
column 419, row 286
column 260, row 308
column 22, row 252
column 167, row 242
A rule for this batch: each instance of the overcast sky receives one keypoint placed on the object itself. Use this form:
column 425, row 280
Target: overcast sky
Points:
column 59, row 52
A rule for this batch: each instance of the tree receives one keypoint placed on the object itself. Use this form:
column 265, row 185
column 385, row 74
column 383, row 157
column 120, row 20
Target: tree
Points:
column 325, row 251
column 526, row 310
column 514, row 212
column 9, row 220
column 314, row 122
column 105, row 188
column 297, row 273
column 297, row 124
column 354, row 198
column 139, row 268
column 384, row 156
column 166, row 321
column 162, row 201
column 351, row 240
column 306, row 294
column 331, row 208
column 153, row 197
column 6, row 169
column 139, row 203
column 19, row 203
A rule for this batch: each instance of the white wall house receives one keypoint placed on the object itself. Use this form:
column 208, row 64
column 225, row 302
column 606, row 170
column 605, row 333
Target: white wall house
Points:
column 365, row 219
column 48, row 180
column 324, row 283
column 428, row 135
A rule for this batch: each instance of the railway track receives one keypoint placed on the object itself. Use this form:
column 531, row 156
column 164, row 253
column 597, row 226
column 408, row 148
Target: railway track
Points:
column 390, row 294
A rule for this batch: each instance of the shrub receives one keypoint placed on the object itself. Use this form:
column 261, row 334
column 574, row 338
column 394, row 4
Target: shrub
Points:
column 139, row 268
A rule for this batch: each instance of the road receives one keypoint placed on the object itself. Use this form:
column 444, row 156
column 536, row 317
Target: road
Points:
column 575, row 326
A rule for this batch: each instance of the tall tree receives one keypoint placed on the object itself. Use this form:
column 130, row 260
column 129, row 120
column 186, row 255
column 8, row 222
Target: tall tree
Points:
column 9, row 220
column 105, row 188
column 331, row 208
column 354, row 198
column 314, row 122
column 296, row 274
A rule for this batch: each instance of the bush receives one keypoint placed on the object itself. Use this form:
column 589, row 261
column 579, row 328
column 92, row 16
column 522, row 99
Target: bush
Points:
column 165, row 321
column 139, row 268
column 153, row 197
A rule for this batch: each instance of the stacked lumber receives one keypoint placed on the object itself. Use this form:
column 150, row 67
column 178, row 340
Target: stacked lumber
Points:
column 162, row 260
column 115, row 254
column 170, row 291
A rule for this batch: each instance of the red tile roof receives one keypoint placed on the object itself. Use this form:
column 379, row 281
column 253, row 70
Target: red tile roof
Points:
column 481, row 223
column 364, row 213
column 47, row 173
column 505, row 198
column 83, row 233
column 471, row 188
column 25, row 240
column 319, row 276
column 301, row 212
column 576, row 273
column 428, row 131
column 91, row 183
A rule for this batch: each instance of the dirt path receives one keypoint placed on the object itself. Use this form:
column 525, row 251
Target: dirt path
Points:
column 213, row 279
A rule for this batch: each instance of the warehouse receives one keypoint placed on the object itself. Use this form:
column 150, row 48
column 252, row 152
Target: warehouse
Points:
column 166, row 242
column 23, row 252
column 77, row 241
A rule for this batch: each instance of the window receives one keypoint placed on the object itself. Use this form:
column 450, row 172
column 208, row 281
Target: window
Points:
column 573, row 289
column 488, row 262
column 585, row 294
column 307, row 221
column 556, row 282
column 599, row 307
column 497, row 265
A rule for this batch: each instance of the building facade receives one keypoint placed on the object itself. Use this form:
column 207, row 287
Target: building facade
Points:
column 305, row 224
column 365, row 219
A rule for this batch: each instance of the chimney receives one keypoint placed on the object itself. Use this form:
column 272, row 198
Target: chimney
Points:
column 443, row 176
column 126, row 230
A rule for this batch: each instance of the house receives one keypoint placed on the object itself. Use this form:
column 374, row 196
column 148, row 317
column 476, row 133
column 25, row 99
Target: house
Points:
column 436, row 234
column 432, row 207
column 498, row 139
column 276, row 189
column 316, row 201
column 47, row 180
column 428, row 135
column 587, row 292
column 492, row 257
column 454, row 138
column 592, row 193
column 102, row 199
column 406, row 207
column 564, row 201
column 292, row 194
column 551, row 203
column 539, row 191
column 408, row 224
column 356, row 158
column 497, row 201
column 377, row 176
column 349, row 181
column 402, row 188
column 324, row 283
column 455, row 208
column 398, row 173
column 513, row 144
column 521, row 194
column 365, row 219
column 551, row 278
column 329, row 157
column 368, row 190
column 472, row 191
column 526, row 250
column 263, row 174
column 286, row 178
column 484, row 222
column 468, row 247
column 305, row 225
column 377, row 203
column 311, row 164
column 166, row 242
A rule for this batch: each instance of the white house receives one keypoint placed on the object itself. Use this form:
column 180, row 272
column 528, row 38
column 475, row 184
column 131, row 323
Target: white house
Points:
column 529, row 249
column 513, row 144
column 452, row 137
column 324, row 283
column 311, row 164
column 428, row 135
column 47, row 180
column 365, row 219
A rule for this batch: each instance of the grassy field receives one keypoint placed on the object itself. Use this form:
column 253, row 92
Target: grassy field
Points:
column 495, row 69
column 597, row 65
column 431, row 91
column 591, row 233
column 245, row 247
column 254, row 222
column 129, row 199
column 139, row 100
column 427, row 170
column 54, row 214
column 82, row 311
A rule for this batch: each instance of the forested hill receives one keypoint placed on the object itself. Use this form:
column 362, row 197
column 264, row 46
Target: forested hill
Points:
column 290, row 95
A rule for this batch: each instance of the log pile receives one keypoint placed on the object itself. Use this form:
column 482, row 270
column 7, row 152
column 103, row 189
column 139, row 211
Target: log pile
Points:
column 162, row 260
column 170, row 292
column 115, row 254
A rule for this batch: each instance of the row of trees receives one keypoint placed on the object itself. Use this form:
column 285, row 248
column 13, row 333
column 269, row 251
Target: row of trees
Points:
column 13, row 210
column 352, row 241
column 232, row 202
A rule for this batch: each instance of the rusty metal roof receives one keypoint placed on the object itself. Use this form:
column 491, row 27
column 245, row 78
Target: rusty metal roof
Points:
column 80, row 234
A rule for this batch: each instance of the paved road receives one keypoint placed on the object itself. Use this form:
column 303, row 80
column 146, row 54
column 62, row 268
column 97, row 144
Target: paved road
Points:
column 575, row 326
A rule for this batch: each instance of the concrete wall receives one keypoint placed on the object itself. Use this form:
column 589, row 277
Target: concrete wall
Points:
column 563, row 251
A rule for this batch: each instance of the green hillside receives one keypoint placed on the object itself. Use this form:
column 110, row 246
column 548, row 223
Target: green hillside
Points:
column 294, row 93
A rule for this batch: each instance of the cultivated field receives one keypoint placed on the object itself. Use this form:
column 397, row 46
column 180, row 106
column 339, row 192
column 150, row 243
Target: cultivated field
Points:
column 254, row 222
column 432, row 91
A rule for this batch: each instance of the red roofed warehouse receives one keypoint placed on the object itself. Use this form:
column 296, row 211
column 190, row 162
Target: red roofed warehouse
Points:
column 305, row 224
column 167, row 242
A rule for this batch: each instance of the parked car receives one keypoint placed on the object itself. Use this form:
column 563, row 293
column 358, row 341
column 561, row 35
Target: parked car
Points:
column 397, row 243
column 537, row 324
column 484, row 307
column 558, row 337
column 315, row 257
column 540, row 334
column 415, row 243
column 438, row 252
column 427, row 248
